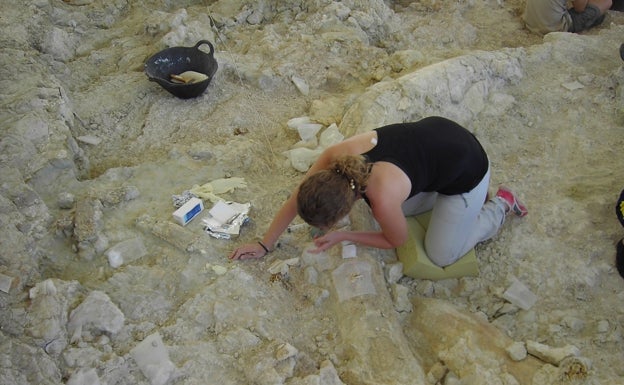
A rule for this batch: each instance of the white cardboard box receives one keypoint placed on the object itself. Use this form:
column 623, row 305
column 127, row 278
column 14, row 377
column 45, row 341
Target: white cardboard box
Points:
column 188, row 211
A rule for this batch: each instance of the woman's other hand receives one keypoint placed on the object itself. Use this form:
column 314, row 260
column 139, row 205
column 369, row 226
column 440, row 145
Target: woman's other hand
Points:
column 324, row 242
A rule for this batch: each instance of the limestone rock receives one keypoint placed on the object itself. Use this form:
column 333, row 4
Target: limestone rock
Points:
column 550, row 354
column 96, row 314
column 440, row 331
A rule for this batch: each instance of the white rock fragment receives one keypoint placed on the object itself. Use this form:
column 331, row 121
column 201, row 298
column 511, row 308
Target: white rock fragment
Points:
column 307, row 132
column 437, row 372
column 5, row 283
column 343, row 222
column 302, row 158
column 393, row 272
column 517, row 351
column 98, row 313
column 294, row 123
column 572, row 86
column 603, row 326
column 329, row 374
column 153, row 359
column 520, row 295
column 78, row 2
column 549, row 354
column 66, row 200
column 301, row 85
column 573, row 323
column 311, row 275
column 115, row 260
column 42, row 288
column 318, row 295
column 311, row 144
column 126, row 252
column 217, row 269
column 89, row 139
column 400, row 298
column 285, row 351
column 282, row 266
column 425, row 288
column 330, row 135
column 84, row 376
column 304, row 153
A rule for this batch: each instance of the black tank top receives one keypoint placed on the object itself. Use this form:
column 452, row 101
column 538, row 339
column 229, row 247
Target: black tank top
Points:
column 436, row 153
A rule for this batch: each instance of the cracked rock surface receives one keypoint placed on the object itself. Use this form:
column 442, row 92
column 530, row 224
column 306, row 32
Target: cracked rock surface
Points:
column 92, row 153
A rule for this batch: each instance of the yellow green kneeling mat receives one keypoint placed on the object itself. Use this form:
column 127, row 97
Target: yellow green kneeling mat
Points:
column 416, row 263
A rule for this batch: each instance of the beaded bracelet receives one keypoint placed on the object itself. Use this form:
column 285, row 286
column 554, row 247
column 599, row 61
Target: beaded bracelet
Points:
column 266, row 249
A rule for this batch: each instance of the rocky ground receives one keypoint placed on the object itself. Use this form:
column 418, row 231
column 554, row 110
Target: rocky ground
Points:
column 93, row 152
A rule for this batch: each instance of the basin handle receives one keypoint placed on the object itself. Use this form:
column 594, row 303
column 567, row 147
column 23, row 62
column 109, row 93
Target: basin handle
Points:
column 205, row 42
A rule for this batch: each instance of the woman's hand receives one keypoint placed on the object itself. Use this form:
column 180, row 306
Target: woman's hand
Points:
column 326, row 241
column 248, row 251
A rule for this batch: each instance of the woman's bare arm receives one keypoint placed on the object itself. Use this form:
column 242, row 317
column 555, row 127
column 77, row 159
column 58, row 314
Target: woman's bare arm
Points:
column 388, row 188
column 352, row 146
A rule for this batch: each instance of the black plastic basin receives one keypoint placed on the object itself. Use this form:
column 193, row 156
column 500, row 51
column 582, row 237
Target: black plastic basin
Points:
column 176, row 60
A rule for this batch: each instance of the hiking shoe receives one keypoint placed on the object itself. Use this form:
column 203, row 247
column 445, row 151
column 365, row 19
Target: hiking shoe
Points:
column 513, row 204
column 598, row 21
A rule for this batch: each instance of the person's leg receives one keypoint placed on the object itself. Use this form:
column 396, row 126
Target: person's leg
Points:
column 419, row 203
column 459, row 222
column 603, row 5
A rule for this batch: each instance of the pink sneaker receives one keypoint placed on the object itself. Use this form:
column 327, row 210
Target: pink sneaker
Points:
column 513, row 204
